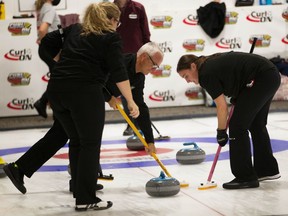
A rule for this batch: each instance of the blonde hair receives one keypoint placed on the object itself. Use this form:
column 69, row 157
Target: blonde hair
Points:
column 111, row 9
column 96, row 18
column 39, row 4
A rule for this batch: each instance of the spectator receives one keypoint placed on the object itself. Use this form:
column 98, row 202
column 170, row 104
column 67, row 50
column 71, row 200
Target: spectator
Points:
column 47, row 21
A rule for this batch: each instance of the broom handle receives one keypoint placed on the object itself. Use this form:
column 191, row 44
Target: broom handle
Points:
column 142, row 139
column 219, row 148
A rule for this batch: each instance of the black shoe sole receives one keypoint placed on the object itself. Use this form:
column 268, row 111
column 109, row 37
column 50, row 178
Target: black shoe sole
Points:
column 243, row 185
column 95, row 208
column 21, row 187
column 127, row 134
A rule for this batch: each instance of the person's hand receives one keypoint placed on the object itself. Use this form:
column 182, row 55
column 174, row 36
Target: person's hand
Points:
column 133, row 108
column 222, row 137
column 151, row 149
column 113, row 102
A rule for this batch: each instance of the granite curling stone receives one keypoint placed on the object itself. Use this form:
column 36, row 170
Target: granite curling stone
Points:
column 134, row 143
column 193, row 155
column 162, row 186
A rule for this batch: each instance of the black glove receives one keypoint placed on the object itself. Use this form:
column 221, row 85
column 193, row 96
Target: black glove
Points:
column 222, row 137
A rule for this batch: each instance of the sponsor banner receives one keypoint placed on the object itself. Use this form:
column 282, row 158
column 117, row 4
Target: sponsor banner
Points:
column 186, row 36
column 21, row 68
column 24, row 77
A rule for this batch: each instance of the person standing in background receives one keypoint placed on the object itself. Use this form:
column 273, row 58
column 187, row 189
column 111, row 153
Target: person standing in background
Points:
column 134, row 32
column 47, row 21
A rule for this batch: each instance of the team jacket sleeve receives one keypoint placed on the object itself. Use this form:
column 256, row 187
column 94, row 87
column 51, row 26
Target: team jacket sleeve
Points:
column 114, row 59
column 50, row 46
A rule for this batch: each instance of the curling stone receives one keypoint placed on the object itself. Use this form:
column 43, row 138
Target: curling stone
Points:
column 134, row 143
column 162, row 186
column 193, row 155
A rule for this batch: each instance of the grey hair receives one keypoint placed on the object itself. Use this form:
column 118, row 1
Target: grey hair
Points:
column 150, row 48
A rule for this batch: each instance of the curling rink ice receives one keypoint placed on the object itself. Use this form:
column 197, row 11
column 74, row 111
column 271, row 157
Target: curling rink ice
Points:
column 48, row 191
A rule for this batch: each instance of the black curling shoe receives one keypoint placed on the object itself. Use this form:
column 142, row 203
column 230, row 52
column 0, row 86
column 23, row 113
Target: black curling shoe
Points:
column 128, row 131
column 102, row 205
column 240, row 184
column 15, row 175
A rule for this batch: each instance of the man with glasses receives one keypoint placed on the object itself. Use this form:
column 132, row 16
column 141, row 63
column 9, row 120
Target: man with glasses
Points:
column 147, row 59
column 155, row 65
column 134, row 32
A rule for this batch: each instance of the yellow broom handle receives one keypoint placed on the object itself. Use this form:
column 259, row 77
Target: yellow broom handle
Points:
column 141, row 138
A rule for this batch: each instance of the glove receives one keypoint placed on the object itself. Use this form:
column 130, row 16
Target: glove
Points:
column 222, row 137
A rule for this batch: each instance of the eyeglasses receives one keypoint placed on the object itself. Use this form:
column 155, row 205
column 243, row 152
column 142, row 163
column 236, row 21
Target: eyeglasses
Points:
column 154, row 64
column 118, row 22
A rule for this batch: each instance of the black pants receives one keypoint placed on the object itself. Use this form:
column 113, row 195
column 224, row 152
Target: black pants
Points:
column 43, row 150
column 250, row 115
column 81, row 112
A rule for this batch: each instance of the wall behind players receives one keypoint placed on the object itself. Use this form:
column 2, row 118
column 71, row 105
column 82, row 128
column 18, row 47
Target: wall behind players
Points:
column 173, row 25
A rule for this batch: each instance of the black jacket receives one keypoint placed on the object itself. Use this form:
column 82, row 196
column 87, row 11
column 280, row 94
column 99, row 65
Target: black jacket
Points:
column 84, row 60
column 137, row 82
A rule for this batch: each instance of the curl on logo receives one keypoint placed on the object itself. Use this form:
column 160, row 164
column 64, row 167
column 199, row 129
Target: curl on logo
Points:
column 14, row 106
column 11, row 57
column 191, row 20
column 46, row 77
column 285, row 40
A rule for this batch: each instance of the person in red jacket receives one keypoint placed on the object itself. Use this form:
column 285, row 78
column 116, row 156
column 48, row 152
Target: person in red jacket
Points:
column 134, row 28
column 134, row 32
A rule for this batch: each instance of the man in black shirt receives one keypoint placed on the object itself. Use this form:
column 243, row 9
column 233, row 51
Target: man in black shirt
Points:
column 148, row 58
